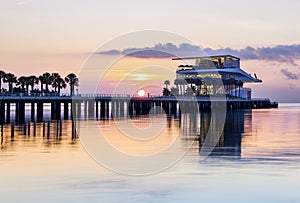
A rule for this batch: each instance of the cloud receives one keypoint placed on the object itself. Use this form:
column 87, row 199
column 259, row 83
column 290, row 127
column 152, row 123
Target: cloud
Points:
column 110, row 52
column 160, row 50
column 150, row 54
column 288, row 74
column 280, row 53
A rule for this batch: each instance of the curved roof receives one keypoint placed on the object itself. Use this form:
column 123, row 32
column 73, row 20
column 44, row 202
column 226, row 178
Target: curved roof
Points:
column 205, row 57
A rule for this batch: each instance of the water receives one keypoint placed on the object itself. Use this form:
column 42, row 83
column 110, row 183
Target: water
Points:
column 256, row 160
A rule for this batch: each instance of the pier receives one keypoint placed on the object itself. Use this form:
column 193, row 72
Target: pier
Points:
column 105, row 106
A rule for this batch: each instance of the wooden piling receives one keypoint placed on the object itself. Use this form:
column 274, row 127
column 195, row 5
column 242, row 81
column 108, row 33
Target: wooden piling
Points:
column 24, row 129
column 34, row 128
column 12, row 129
column 66, row 110
column 60, row 128
column 91, row 109
column 55, row 110
column 8, row 112
column 20, row 112
column 79, row 109
column 107, row 108
column 2, row 112
column 102, row 109
column 28, row 129
column 32, row 111
column 44, row 129
column 40, row 111
column 48, row 130
column 122, row 113
column 85, row 109
column 97, row 109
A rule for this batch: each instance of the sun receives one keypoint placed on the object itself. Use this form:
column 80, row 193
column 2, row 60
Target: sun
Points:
column 141, row 93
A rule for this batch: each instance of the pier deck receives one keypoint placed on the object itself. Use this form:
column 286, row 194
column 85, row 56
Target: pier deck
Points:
column 105, row 105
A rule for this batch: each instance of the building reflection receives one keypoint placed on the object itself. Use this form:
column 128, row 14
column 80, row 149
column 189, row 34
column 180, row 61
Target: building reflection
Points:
column 237, row 122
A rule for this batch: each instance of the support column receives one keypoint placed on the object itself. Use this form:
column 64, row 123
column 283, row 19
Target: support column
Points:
column 173, row 107
column 107, row 109
column 97, row 109
column 117, row 112
column 2, row 112
column 20, row 112
column 55, row 110
column 66, row 110
column 137, row 107
column 85, row 109
column 74, row 110
column 113, row 109
column 8, row 112
column 58, row 110
column 102, row 109
column 53, row 107
column 122, row 113
column 91, row 107
column 32, row 114
column 40, row 111
column 79, row 109
column 130, row 108
column 165, row 107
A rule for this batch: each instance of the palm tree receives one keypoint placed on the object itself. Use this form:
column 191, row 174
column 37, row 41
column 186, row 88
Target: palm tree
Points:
column 55, row 78
column 2, row 75
column 23, row 81
column 181, row 83
column 166, row 92
column 32, row 80
column 198, row 83
column 46, row 79
column 73, row 81
column 61, row 84
column 10, row 79
column 58, row 82
column 174, row 91
column 167, row 83
column 176, row 83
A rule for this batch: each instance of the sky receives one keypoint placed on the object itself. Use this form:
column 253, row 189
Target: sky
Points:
column 59, row 36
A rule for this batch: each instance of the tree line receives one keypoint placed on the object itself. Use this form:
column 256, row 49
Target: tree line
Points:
column 26, row 84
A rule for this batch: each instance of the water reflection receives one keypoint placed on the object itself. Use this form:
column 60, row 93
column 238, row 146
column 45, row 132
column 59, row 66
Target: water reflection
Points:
column 37, row 136
column 258, row 150
column 189, row 126
column 193, row 126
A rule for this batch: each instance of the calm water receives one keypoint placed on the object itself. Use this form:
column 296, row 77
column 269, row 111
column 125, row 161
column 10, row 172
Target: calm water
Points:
column 256, row 160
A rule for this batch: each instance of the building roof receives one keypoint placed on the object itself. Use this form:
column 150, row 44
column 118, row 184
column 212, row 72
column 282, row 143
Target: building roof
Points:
column 243, row 76
column 206, row 57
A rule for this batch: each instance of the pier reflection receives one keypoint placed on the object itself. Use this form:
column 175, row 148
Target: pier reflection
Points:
column 37, row 136
column 191, row 127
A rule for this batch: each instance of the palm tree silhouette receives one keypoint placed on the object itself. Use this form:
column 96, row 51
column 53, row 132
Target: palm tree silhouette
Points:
column 58, row 82
column 23, row 81
column 46, row 79
column 32, row 80
column 73, row 81
column 10, row 79
column 167, row 83
column 2, row 75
